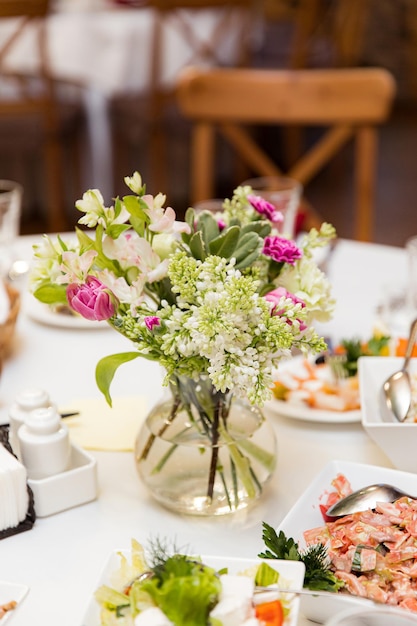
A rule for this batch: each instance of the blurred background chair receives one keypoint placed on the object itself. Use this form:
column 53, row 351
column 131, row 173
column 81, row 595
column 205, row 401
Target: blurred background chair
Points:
column 205, row 33
column 347, row 103
column 32, row 119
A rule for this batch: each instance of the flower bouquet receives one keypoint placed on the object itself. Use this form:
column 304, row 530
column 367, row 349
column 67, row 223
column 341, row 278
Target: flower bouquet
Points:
column 217, row 300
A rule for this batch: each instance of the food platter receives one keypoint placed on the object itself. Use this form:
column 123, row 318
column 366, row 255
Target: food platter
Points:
column 291, row 575
column 306, row 514
column 298, row 409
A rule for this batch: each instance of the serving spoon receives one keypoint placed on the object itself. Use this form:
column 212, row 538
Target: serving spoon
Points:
column 397, row 387
column 364, row 499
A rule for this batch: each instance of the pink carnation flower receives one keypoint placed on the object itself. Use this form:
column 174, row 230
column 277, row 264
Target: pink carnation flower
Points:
column 281, row 250
column 265, row 208
column 92, row 299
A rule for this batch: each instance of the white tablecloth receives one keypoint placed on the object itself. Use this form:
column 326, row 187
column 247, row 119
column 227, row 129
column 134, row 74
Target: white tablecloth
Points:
column 61, row 557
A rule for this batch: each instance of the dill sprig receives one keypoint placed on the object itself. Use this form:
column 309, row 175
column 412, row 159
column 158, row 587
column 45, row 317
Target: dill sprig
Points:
column 318, row 575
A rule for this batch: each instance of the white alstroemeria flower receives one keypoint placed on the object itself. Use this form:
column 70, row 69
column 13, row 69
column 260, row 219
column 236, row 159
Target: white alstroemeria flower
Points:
column 127, row 294
column 134, row 182
column 75, row 267
column 163, row 220
column 47, row 249
column 130, row 250
column 92, row 204
column 126, row 249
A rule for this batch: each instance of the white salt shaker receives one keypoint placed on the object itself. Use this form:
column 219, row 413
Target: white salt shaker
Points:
column 26, row 401
column 44, row 443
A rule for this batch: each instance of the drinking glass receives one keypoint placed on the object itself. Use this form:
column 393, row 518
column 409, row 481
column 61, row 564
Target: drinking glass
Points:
column 411, row 250
column 284, row 193
column 11, row 194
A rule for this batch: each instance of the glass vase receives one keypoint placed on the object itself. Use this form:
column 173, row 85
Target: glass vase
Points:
column 204, row 452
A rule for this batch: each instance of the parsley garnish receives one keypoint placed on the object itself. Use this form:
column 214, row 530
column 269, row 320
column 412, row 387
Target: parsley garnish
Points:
column 318, row 575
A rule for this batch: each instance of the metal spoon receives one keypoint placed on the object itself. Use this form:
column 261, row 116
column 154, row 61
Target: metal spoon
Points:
column 364, row 499
column 397, row 388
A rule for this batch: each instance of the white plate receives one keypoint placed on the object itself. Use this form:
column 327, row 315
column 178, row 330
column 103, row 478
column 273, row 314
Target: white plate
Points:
column 292, row 572
column 43, row 314
column 8, row 593
column 305, row 514
column 299, row 410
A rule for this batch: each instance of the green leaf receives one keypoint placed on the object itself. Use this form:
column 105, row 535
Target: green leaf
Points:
column 208, row 227
column 261, row 227
column 51, row 294
column 248, row 260
column 86, row 243
column 224, row 245
column 197, row 247
column 106, row 369
column 115, row 230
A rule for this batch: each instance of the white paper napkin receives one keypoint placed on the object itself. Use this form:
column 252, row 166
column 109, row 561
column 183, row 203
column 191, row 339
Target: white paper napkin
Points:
column 99, row 427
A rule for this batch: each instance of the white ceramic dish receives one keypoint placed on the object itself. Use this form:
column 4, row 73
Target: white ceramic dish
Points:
column 299, row 410
column 397, row 440
column 292, row 572
column 8, row 593
column 378, row 616
column 43, row 314
column 305, row 514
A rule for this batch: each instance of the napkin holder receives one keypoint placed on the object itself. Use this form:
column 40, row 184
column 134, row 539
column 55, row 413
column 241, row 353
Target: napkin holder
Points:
column 28, row 522
column 76, row 486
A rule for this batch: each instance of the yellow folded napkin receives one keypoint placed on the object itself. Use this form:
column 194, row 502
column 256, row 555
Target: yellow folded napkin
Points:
column 99, row 427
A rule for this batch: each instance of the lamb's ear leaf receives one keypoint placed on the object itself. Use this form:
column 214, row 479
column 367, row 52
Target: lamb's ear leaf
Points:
column 106, row 369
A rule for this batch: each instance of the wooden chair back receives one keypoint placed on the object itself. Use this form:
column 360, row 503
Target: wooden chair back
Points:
column 32, row 95
column 350, row 102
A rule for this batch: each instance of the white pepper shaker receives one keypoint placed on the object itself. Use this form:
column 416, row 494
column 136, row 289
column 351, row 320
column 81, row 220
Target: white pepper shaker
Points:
column 44, row 443
column 26, row 401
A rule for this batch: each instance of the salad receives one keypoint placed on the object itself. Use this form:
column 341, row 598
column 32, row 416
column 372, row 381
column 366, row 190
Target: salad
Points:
column 373, row 553
column 170, row 588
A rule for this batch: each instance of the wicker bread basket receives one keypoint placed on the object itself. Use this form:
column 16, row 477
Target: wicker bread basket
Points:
column 7, row 329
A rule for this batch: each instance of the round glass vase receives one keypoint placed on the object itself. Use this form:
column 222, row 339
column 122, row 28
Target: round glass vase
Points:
column 204, row 452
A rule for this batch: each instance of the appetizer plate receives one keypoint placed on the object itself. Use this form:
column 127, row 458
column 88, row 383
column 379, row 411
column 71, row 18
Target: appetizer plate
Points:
column 299, row 410
column 11, row 592
column 291, row 577
column 305, row 514
column 43, row 314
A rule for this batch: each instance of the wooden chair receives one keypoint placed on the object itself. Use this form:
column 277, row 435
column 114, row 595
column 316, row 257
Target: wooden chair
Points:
column 351, row 102
column 233, row 21
column 32, row 96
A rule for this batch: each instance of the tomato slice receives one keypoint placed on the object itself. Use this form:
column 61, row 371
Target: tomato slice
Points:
column 270, row 613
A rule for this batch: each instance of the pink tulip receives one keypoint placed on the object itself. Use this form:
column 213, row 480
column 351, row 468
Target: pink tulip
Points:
column 92, row 300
